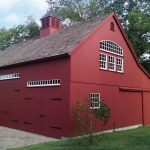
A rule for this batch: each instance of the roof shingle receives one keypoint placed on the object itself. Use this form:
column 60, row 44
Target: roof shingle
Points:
column 60, row 42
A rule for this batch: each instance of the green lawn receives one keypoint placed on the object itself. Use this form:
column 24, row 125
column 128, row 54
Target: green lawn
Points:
column 136, row 139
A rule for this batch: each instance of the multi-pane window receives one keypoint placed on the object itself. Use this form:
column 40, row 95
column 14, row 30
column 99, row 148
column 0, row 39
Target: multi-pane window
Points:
column 103, row 61
column 40, row 83
column 111, row 47
column 111, row 56
column 119, row 65
column 95, row 100
column 111, row 63
column 10, row 76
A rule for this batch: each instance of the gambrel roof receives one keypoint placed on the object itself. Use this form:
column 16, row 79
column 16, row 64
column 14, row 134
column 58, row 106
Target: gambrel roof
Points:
column 59, row 43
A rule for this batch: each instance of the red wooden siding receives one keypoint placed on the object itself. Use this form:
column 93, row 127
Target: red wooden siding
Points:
column 126, row 107
column 86, row 76
column 47, row 110
column 146, row 108
column 43, row 110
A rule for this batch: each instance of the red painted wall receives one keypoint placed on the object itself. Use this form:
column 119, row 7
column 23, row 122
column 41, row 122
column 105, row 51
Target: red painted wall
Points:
column 47, row 31
column 86, row 76
column 35, row 110
column 146, row 103
column 85, row 61
column 43, row 110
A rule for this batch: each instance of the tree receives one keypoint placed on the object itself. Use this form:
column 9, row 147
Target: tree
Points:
column 134, row 16
column 85, row 118
column 19, row 33
column 139, row 30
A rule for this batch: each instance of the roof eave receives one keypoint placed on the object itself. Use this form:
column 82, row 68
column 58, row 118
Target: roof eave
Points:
column 36, row 60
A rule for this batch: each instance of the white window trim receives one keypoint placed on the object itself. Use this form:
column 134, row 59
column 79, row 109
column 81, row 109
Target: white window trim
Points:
column 9, row 76
column 44, row 83
column 99, row 101
column 112, row 63
column 110, row 51
column 121, row 65
column 104, row 61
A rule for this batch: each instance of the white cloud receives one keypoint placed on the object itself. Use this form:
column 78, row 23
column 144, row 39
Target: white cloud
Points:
column 7, row 4
column 40, row 5
column 14, row 12
column 13, row 18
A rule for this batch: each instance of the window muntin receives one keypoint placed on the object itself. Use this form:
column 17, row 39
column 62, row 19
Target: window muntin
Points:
column 40, row 83
column 119, row 65
column 95, row 100
column 103, row 61
column 111, row 47
column 111, row 63
column 10, row 76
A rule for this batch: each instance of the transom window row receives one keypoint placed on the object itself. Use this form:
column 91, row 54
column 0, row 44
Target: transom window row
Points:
column 111, row 47
column 39, row 83
column 10, row 76
column 112, row 63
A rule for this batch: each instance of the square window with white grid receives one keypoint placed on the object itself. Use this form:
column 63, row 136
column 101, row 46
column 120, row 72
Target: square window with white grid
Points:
column 119, row 65
column 111, row 63
column 103, row 61
column 95, row 100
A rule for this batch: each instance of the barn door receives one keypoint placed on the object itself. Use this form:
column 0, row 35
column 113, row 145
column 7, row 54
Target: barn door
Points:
column 9, row 104
column 146, row 108
column 51, row 114
column 128, row 109
column 30, row 110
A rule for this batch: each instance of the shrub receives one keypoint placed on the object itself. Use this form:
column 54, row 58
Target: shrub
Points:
column 85, row 118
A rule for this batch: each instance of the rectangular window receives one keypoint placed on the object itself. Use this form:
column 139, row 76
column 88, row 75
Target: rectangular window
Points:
column 95, row 100
column 10, row 76
column 111, row 63
column 40, row 83
column 119, row 65
column 103, row 61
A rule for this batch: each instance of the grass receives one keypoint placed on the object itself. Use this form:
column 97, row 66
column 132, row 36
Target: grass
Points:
column 135, row 139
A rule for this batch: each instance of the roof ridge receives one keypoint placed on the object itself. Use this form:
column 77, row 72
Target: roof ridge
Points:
column 60, row 42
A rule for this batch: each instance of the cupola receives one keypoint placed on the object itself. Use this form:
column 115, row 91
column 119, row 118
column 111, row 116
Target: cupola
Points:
column 50, row 24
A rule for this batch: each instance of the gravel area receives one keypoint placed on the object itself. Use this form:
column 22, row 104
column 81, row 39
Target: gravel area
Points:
column 12, row 138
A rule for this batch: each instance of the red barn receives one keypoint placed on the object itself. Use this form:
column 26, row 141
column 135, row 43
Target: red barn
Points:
column 41, row 79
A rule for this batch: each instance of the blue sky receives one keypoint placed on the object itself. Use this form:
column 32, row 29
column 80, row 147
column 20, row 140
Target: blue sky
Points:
column 14, row 12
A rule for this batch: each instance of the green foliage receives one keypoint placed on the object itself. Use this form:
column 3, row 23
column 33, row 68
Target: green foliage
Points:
column 134, row 16
column 18, row 33
column 85, row 118
column 139, row 25
column 103, row 113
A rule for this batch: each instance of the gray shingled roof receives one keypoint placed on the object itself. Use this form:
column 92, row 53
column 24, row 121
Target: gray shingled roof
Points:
column 60, row 42
column 48, row 14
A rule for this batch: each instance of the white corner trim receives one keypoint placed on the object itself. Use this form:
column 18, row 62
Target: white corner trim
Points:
column 120, row 129
column 111, row 130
